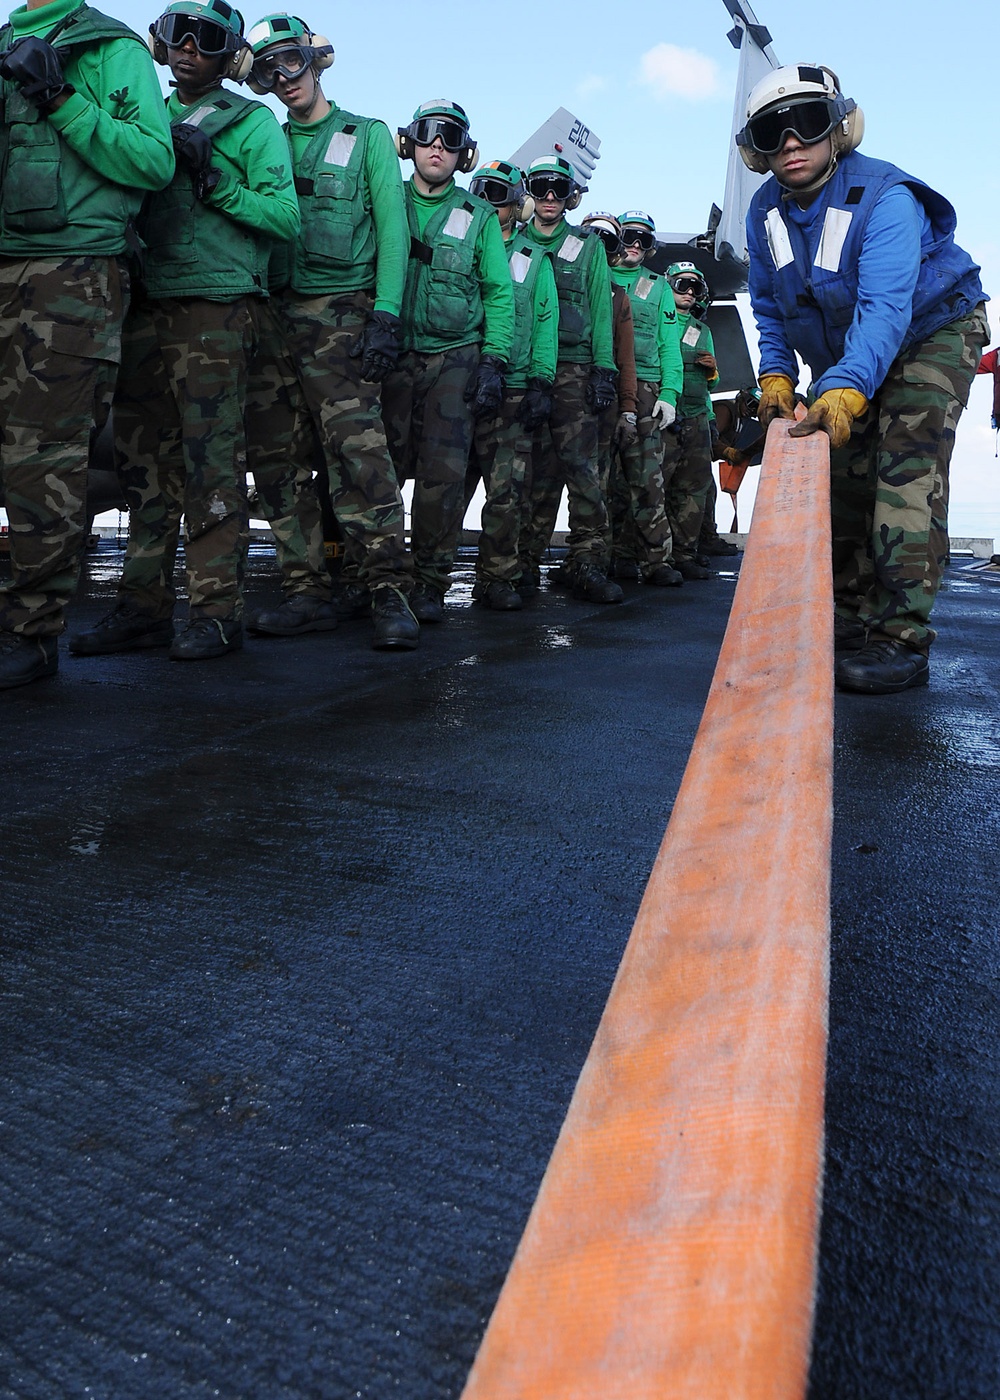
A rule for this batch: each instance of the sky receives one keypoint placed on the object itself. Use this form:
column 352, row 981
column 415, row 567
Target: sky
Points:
column 658, row 90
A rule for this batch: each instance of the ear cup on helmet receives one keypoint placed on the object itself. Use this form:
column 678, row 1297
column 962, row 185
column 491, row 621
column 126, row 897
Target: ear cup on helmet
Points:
column 468, row 160
column 324, row 60
column 525, row 210
column 753, row 160
column 157, row 48
column 850, row 133
column 575, row 199
column 238, row 64
column 404, row 145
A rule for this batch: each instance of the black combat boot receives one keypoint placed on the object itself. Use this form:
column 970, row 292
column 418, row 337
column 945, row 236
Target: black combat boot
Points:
column 352, row 602
column 690, row 569
column 299, row 613
column 882, row 667
column 593, row 585
column 426, row 603
column 203, row 638
column 124, row 628
column 848, row 634
column 396, row 628
column 627, row 569
column 26, row 659
column 498, row 594
column 664, row 576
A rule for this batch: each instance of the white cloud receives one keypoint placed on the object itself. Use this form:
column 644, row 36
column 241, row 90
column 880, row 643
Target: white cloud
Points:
column 591, row 84
column 669, row 71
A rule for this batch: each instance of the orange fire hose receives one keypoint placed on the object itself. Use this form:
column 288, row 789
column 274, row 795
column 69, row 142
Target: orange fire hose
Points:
column 671, row 1252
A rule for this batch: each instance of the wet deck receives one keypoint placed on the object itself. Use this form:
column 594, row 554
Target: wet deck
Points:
column 304, row 949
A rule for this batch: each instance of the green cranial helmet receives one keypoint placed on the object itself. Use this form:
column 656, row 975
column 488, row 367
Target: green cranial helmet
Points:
column 278, row 29
column 679, row 271
column 442, row 120
column 284, row 46
column 499, row 183
column 554, row 172
column 637, row 218
column 215, row 28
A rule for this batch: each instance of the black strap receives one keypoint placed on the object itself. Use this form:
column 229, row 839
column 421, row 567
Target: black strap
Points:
column 423, row 252
column 303, row 185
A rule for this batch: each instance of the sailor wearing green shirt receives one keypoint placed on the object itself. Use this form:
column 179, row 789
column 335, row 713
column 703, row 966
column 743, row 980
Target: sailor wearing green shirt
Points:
column 188, row 342
column 84, row 135
column 458, row 328
column 660, row 373
column 687, row 462
column 567, row 451
column 341, row 311
column 502, row 445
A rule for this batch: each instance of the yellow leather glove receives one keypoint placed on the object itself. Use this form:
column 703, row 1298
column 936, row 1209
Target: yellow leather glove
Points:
column 777, row 398
column 834, row 412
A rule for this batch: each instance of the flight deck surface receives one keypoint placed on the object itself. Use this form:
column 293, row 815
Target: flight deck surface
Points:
column 304, row 949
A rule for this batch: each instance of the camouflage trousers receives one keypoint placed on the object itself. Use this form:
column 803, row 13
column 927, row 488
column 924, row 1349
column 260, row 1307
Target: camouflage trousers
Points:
column 635, row 492
column 282, row 453
column 60, row 348
column 687, row 474
column 502, row 454
column 181, row 450
column 889, row 486
column 347, row 415
column 564, row 453
column 709, row 531
column 430, row 427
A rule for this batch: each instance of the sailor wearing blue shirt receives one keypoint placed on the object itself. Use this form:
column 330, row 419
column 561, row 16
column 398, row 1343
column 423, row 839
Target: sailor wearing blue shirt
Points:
column 854, row 267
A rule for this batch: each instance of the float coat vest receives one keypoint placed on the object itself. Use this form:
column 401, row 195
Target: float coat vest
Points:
column 817, row 287
column 194, row 250
column 44, row 185
column 646, row 296
column 443, row 297
column 525, row 258
column 696, row 339
column 571, row 263
column 337, row 230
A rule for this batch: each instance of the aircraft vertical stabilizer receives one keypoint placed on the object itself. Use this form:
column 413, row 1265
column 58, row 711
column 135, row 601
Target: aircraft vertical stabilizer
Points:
column 756, row 59
column 569, row 137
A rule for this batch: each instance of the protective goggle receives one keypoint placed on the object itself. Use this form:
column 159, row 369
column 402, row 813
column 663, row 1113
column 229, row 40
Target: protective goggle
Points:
column 559, row 185
column 612, row 243
column 641, row 236
column 289, row 62
column 495, row 192
column 809, row 121
column 688, row 285
column 210, row 39
column 426, row 130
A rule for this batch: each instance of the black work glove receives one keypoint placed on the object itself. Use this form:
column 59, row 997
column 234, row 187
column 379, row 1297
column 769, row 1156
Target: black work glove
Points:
column 378, row 346
column 536, row 405
column 485, row 391
column 193, row 150
column 601, row 392
column 36, row 68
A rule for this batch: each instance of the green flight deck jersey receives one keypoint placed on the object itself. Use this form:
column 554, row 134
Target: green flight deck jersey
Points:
column 458, row 283
column 583, row 283
column 696, row 339
column 71, row 182
column 219, row 247
column 535, row 351
column 354, row 236
column 657, row 339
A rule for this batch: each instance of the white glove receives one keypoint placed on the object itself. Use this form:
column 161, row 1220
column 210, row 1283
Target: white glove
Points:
column 663, row 413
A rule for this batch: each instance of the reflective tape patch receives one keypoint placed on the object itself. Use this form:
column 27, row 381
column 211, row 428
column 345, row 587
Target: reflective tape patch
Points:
column 459, row 223
column 643, row 288
column 691, row 336
column 258, row 32
column 778, row 241
column 340, row 148
column 570, row 249
column 520, row 266
column 831, row 241
column 199, row 114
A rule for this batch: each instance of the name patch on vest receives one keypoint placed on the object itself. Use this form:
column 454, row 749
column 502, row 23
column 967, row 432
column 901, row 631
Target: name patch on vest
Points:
column 340, row 149
column 459, row 223
column 836, row 226
column 570, row 249
column 520, row 266
column 691, row 336
column 778, row 240
column 643, row 288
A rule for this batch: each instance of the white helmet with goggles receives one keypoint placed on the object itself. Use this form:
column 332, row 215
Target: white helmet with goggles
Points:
column 444, row 120
column 805, row 100
column 554, row 174
column 608, row 230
